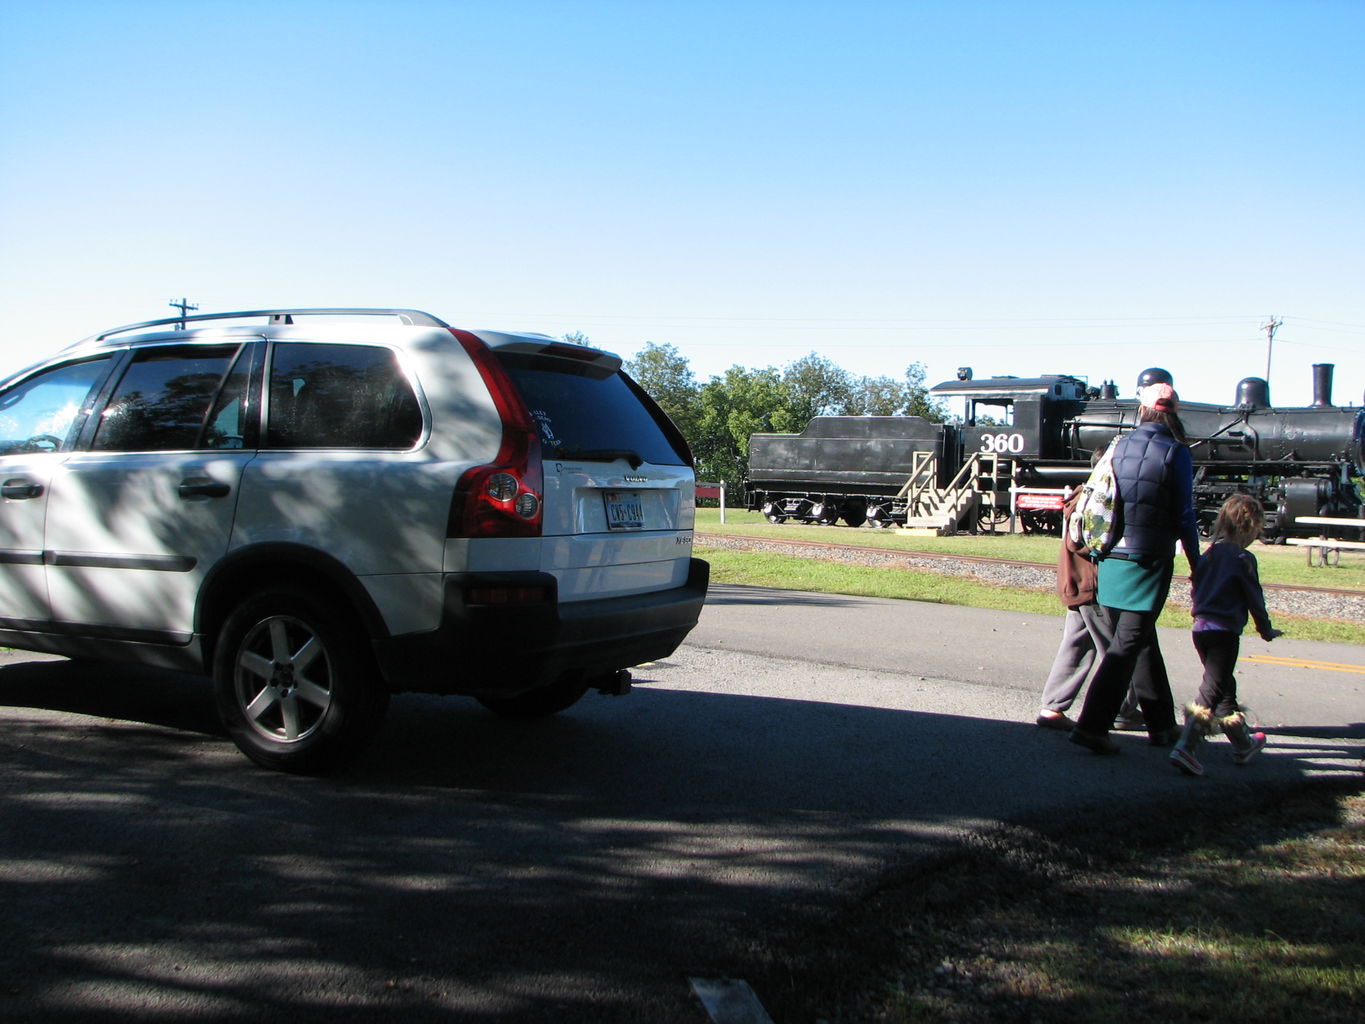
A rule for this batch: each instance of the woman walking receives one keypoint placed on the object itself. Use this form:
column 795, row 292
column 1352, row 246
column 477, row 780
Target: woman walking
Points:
column 1155, row 476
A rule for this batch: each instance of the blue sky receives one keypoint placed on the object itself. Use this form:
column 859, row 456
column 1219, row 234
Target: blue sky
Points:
column 1023, row 188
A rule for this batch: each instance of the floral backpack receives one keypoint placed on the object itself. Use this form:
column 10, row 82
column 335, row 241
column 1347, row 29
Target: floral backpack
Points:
column 1094, row 523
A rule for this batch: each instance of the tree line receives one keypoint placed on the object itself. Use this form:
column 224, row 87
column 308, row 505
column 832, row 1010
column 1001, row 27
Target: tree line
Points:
column 718, row 415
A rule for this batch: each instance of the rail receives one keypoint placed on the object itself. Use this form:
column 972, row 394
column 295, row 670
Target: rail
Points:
column 414, row 317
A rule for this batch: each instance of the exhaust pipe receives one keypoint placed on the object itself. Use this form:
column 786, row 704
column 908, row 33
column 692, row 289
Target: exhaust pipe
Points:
column 1322, row 384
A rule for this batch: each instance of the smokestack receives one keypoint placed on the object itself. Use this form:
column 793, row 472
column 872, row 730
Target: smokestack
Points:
column 1322, row 384
column 1108, row 391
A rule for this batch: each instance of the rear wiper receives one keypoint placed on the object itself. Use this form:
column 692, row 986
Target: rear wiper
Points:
column 602, row 455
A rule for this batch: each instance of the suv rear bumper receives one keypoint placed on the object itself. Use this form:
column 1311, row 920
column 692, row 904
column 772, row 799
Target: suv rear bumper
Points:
column 503, row 650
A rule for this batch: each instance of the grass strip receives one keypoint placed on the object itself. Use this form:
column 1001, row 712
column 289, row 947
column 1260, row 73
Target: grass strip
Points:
column 1277, row 563
column 787, row 572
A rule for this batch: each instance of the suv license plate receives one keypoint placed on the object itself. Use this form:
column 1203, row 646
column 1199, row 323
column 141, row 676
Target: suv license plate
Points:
column 625, row 511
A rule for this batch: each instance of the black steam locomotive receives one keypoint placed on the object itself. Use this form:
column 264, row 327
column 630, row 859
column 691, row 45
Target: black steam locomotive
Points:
column 1021, row 442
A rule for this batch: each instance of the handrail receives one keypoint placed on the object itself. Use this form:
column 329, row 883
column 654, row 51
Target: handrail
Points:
column 923, row 469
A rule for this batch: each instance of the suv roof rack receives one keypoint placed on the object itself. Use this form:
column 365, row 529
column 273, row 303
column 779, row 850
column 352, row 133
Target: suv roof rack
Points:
column 412, row 317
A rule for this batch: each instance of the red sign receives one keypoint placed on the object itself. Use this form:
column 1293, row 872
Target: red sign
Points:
column 1039, row 501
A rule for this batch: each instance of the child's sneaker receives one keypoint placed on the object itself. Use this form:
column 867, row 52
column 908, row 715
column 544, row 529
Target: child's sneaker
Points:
column 1186, row 762
column 1244, row 754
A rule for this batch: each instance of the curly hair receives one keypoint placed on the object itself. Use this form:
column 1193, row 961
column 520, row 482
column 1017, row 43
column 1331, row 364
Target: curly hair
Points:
column 1239, row 521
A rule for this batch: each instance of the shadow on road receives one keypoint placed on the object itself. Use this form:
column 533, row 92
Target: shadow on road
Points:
column 576, row 868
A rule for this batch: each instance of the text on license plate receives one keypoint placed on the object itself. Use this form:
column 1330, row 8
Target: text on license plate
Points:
column 625, row 511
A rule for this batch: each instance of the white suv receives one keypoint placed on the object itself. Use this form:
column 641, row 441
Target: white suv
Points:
column 323, row 507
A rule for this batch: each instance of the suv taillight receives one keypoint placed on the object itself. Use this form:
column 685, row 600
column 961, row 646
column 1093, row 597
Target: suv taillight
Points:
column 505, row 497
column 498, row 500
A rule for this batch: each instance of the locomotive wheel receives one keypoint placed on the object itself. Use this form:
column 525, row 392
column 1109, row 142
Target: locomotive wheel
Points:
column 771, row 512
column 824, row 515
column 992, row 515
column 855, row 519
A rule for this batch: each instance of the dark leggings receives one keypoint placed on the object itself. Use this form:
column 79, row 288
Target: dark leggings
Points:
column 1134, row 657
column 1218, row 651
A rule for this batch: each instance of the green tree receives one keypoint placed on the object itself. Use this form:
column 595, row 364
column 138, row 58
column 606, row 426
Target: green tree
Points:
column 576, row 338
column 816, row 386
column 876, row 396
column 668, row 378
column 733, row 406
column 918, row 402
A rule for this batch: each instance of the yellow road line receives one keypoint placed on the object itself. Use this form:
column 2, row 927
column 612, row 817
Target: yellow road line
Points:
column 1326, row 666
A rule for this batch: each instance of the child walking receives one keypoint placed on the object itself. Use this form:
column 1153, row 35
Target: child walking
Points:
column 1226, row 590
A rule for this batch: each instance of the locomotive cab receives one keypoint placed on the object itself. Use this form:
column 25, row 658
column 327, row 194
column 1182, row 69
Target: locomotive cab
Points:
column 1019, row 418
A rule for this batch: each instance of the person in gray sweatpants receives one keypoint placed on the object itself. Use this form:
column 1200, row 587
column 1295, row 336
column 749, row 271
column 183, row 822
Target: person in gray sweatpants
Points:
column 1087, row 632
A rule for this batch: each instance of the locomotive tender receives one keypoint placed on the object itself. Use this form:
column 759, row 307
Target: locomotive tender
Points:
column 1021, row 441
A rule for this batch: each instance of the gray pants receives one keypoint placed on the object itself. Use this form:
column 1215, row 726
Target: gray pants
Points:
column 1087, row 632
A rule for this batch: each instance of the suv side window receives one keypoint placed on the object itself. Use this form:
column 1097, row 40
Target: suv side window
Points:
column 163, row 401
column 43, row 413
column 340, row 396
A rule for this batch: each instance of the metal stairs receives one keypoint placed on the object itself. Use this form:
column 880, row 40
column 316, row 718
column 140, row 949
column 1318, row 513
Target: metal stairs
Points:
column 935, row 510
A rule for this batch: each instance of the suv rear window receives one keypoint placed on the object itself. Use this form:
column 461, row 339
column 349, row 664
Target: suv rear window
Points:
column 585, row 411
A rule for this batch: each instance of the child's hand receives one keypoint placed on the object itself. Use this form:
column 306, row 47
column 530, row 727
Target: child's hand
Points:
column 1271, row 634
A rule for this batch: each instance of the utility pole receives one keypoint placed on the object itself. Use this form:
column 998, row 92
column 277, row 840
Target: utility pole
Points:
column 184, row 306
column 1270, row 329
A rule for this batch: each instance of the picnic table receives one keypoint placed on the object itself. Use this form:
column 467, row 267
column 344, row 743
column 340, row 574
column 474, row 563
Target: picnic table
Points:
column 1327, row 550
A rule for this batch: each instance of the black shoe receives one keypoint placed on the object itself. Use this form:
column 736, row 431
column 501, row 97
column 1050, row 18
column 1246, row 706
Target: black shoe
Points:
column 1130, row 723
column 1164, row 737
column 1057, row 721
column 1093, row 742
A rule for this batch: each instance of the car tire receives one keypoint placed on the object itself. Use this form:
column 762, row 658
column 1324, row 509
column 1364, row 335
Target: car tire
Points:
column 538, row 703
column 296, row 687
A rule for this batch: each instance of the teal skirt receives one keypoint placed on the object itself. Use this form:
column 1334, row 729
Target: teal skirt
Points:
column 1134, row 586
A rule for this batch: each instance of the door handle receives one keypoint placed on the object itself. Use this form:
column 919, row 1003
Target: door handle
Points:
column 19, row 488
column 204, row 489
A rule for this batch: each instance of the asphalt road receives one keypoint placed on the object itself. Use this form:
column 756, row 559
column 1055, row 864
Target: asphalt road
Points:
column 576, row 869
